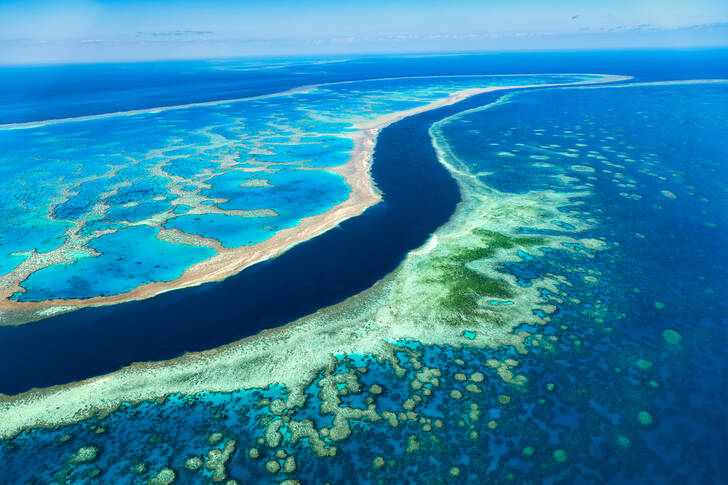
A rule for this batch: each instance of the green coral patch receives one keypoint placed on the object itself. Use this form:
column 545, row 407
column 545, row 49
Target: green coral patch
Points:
column 469, row 285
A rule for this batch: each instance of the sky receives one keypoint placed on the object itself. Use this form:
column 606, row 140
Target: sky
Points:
column 52, row 31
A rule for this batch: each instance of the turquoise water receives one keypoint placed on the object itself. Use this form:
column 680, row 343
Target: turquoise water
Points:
column 66, row 188
column 127, row 259
column 230, row 231
column 626, row 385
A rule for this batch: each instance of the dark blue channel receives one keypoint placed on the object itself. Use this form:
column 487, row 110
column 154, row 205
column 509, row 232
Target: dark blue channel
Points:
column 419, row 196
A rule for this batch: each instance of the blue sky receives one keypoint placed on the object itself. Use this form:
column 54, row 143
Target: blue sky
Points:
column 101, row 30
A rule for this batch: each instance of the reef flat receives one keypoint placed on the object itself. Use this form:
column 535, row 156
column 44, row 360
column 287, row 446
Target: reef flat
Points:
column 199, row 192
column 531, row 338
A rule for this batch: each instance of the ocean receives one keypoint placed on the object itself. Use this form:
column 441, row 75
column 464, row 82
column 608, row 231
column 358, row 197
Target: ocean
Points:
column 566, row 323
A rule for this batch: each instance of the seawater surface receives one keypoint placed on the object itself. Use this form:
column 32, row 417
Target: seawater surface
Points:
column 579, row 293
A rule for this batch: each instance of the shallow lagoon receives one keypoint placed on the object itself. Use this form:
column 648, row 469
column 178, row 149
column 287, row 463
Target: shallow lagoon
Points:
column 127, row 258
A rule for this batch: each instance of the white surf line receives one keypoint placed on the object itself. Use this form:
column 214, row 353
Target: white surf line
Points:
column 601, row 77
column 680, row 82
column 301, row 89
column 159, row 109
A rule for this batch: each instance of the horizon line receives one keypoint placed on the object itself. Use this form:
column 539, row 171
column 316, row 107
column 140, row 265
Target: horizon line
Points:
column 434, row 53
